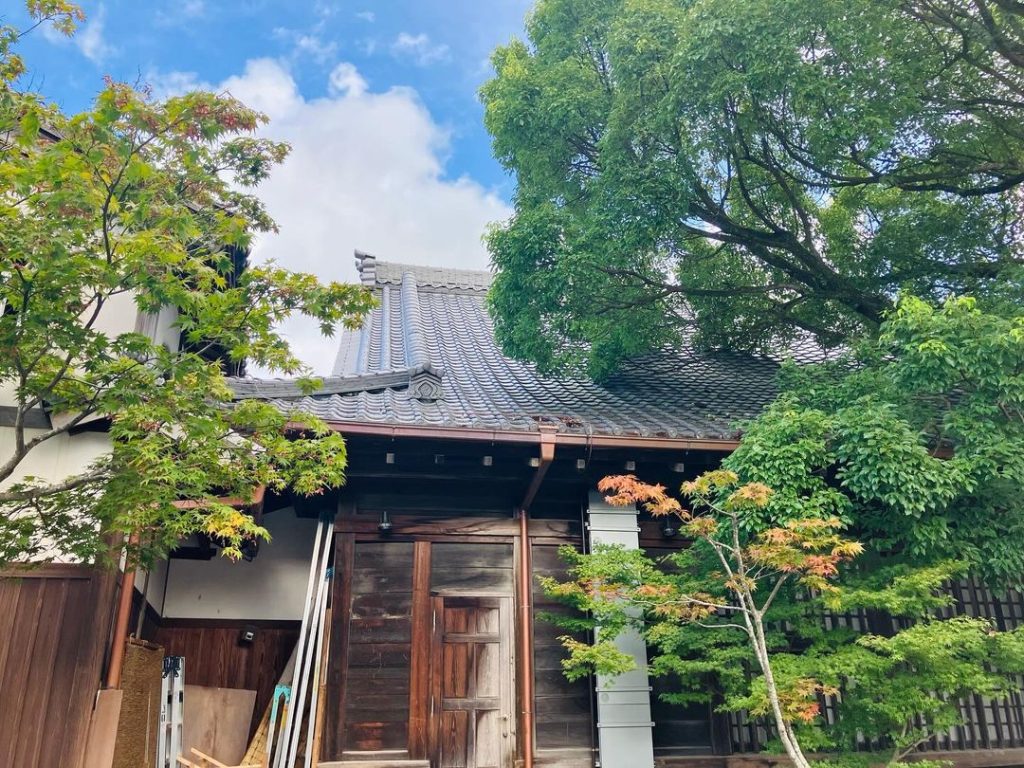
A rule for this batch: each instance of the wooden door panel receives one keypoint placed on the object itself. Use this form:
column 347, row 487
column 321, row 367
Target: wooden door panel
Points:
column 473, row 710
column 455, row 739
column 454, row 671
column 488, row 739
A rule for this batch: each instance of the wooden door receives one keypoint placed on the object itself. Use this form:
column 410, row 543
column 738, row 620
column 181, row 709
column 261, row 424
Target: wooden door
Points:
column 471, row 711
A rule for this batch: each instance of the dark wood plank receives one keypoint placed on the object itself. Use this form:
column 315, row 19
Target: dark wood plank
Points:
column 455, row 733
column 390, row 630
column 337, row 666
column 41, row 665
column 374, row 655
column 10, row 589
column 374, row 736
column 498, row 580
column 215, row 658
column 419, row 673
column 414, row 525
column 456, row 556
column 26, row 630
column 382, row 606
column 76, row 624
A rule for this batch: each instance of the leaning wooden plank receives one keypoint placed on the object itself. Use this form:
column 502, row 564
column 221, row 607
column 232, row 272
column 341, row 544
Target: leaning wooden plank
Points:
column 207, row 758
column 321, row 701
column 216, row 721
column 186, row 763
column 99, row 752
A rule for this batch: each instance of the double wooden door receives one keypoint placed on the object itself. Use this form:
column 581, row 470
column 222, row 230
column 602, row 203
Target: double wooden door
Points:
column 472, row 717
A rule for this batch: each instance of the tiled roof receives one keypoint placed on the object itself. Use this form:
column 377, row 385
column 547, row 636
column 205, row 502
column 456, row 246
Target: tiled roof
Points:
column 427, row 357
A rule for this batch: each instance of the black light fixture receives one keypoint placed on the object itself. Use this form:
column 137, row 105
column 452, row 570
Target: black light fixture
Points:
column 669, row 527
column 250, row 548
column 384, row 525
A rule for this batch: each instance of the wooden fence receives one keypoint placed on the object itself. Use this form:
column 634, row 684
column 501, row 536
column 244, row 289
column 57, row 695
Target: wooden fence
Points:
column 54, row 625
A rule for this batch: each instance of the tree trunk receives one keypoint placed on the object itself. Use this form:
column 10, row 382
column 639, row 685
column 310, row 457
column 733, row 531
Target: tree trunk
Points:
column 786, row 736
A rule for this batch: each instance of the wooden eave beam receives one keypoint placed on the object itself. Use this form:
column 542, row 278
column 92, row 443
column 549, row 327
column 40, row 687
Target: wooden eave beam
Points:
column 547, row 455
column 531, row 438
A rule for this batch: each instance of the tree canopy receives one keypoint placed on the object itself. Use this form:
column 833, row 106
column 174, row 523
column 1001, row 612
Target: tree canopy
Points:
column 144, row 204
column 750, row 172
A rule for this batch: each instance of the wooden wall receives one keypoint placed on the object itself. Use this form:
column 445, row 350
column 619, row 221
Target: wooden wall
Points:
column 376, row 703
column 214, row 656
column 54, row 626
column 564, row 711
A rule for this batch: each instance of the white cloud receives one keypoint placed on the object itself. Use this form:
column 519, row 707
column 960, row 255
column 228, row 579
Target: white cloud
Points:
column 308, row 43
column 88, row 39
column 420, row 48
column 368, row 16
column 193, row 8
column 366, row 171
column 166, row 84
column 345, row 80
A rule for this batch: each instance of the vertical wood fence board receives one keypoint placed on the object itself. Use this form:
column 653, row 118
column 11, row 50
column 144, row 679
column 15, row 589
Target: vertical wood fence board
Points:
column 54, row 625
column 41, row 669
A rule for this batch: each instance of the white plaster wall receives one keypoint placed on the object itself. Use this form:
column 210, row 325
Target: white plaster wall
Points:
column 273, row 586
column 54, row 459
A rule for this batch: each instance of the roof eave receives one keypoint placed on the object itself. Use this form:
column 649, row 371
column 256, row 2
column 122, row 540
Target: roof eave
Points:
column 719, row 445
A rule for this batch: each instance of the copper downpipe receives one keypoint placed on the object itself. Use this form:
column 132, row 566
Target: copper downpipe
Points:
column 526, row 635
column 124, row 611
column 547, row 455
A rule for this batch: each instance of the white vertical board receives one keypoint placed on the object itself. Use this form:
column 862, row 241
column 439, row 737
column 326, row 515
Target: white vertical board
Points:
column 624, row 724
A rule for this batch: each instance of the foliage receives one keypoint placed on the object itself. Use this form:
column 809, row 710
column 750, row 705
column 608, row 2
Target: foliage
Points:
column 737, row 618
column 754, row 172
column 914, row 439
column 140, row 204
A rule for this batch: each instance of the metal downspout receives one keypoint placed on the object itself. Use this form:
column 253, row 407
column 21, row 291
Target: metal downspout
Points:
column 124, row 610
column 547, row 455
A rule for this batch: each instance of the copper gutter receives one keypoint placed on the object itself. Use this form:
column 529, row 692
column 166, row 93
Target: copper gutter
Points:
column 547, row 455
column 531, row 437
column 124, row 610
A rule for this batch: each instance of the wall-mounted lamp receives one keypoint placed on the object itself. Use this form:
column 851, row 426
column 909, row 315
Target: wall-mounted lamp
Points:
column 487, row 461
column 630, row 466
column 389, row 458
column 581, row 464
column 250, row 548
column 679, row 467
column 384, row 525
column 669, row 527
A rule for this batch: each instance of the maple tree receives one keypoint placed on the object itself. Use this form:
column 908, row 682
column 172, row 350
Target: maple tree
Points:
column 144, row 206
column 745, row 596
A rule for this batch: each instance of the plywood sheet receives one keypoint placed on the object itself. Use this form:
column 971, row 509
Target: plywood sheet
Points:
column 217, row 721
column 99, row 751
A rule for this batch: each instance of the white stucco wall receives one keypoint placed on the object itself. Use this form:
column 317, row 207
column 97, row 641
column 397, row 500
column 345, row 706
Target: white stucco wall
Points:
column 56, row 458
column 271, row 587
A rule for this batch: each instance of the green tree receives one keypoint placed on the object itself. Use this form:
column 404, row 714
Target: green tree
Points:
column 914, row 439
column 148, row 204
column 737, row 619
column 745, row 173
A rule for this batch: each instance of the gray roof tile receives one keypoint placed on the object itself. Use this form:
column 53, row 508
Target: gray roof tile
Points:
column 436, row 319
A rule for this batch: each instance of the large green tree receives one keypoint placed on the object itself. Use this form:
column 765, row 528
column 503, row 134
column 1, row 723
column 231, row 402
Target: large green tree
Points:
column 144, row 204
column 743, row 173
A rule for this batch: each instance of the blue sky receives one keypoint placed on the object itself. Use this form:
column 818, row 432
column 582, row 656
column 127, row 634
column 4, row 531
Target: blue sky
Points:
column 439, row 48
column 378, row 99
